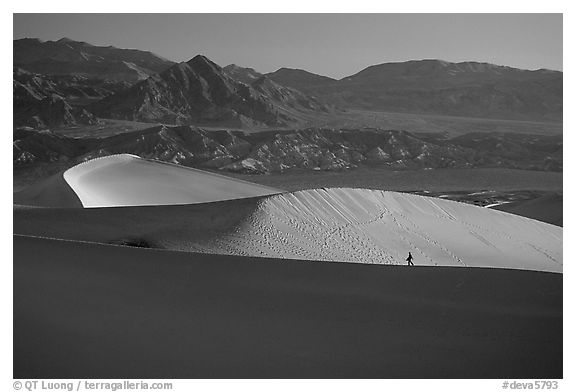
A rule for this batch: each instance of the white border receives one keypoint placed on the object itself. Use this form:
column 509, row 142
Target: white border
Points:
column 301, row 6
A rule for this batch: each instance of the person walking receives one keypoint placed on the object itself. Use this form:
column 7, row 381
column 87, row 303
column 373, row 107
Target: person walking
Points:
column 409, row 259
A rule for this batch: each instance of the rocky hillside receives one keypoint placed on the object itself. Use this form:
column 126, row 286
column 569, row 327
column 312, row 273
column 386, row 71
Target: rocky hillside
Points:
column 310, row 149
column 68, row 57
column 241, row 74
column 83, row 73
column 200, row 92
column 287, row 98
column 39, row 102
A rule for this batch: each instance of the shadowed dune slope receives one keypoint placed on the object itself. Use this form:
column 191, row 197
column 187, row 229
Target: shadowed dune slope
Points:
column 128, row 180
column 547, row 208
column 84, row 310
column 338, row 224
column 52, row 192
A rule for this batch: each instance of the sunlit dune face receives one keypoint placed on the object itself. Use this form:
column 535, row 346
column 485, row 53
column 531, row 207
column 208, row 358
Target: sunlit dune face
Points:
column 369, row 226
column 127, row 180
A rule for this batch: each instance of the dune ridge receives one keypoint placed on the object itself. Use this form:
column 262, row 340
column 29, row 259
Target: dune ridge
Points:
column 370, row 226
column 125, row 179
column 174, row 207
column 128, row 180
column 334, row 224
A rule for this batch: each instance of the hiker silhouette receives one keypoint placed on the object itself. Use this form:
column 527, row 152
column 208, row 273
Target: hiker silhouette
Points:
column 409, row 259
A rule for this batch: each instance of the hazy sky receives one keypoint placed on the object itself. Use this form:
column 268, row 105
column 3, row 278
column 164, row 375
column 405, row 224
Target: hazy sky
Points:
column 335, row 45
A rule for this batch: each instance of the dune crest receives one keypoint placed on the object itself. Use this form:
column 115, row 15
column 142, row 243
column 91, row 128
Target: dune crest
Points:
column 128, row 180
column 370, row 226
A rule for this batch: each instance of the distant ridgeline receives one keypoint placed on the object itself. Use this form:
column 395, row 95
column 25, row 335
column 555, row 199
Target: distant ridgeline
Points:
column 68, row 83
column 439, row 87
column 309, row 149
column 134, row 85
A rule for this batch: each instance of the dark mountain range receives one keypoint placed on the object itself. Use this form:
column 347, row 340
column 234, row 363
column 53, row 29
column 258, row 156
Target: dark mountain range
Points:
column 40, row 102
column 68, row 57
column 83, row 73
column 310, row 149
column 207, row 94
column 438, row 87
column 200, row 92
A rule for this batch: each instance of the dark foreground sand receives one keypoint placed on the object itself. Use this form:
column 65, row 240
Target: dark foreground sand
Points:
column 85, row 310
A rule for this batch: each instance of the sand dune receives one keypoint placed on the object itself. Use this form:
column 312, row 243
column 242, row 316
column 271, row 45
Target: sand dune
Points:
column 244, row 300
column 334, row 224
column 351, row 225
column 128, row 180
column 369, row 226
column 84, row 310
column 53, row 192
column 547, row 208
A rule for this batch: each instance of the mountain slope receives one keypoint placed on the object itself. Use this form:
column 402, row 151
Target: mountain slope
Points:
column 200, row 92
column 244, row 75
column 439, row 87
column 287, row 98
column 82, row 73
column 39, row 102
column 300, row 79
column 68, row 57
